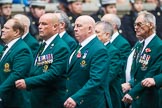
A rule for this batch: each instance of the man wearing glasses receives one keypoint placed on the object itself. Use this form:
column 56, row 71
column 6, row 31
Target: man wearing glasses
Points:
column 146, row 63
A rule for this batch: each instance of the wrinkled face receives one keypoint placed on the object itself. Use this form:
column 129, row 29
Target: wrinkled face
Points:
column 80, row 30
column 7, row 32
column 142, row 28
column 38, row 12
column 76, row 7
column 45, row 28
column 138, row 5
column 100, row 33
column 111, row 9
column 6, row 9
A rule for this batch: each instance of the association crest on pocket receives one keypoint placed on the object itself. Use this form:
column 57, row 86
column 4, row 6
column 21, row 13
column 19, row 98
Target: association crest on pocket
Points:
column 7, row 67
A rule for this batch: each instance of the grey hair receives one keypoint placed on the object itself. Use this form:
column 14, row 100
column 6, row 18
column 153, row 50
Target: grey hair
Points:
column 116, row 20
column 64, row 18
column 148, row 17
column 107, row 27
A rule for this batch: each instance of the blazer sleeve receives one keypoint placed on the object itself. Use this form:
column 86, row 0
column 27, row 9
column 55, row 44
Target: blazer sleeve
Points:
column 21, row 66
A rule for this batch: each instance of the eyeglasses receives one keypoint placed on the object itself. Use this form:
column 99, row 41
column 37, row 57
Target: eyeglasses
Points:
column 139, row 24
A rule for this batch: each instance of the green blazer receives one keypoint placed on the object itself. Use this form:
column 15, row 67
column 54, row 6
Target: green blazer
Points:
column 15, row 65
column 86, row 76
column 113, row 76
column 32, row 43
column 70, row 41
column 1, row 48
column 148, row 66
column 158, row 80
column 48, row 82
column 124, row 47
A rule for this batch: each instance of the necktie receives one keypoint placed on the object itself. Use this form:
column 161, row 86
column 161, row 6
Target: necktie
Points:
column 137, row 54
column 42, row 46
column 139, row 50
column 4, row 48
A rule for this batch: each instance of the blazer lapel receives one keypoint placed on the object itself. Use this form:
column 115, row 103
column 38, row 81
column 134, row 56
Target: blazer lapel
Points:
column 150, row 45
column 10, row 50
column 83, row 50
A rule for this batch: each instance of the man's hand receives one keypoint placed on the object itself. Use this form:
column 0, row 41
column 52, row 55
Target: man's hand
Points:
column 127, row 98
column 70, row 103
column 148, row 82
column 20, row 84
column 125, row 87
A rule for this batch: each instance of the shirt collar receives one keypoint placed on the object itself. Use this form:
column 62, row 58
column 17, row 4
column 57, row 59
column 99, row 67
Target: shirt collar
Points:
column 148, row 39
column 12, row 42
column 86, row 41
column 24, row 35
column 50, row 39
column 106, row 43
column 62, row 33
column 114, row 36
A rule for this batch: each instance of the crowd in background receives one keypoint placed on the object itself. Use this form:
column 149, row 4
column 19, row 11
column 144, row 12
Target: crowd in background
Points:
column 67, row 59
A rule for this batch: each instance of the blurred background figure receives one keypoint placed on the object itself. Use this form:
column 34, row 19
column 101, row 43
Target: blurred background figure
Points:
column 63, row 5
column 5, row 13
column 37, row 9
column 127, row 21
column 75, row 10
column 107, row 7
column 158, row 14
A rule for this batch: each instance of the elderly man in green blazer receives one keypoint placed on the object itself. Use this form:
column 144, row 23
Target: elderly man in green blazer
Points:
column 87, row 69
column 104, row 31
column 118, row 41
column 147, row 64
column 64, row 25
column 15, row 63
column 48, row 80
column 27, row 37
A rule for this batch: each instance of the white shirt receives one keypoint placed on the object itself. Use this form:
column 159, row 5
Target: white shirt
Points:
column 83, row 44
column 10, row 44
column 49, row 41
column 129, row 66
column 114, row 36
column 24, row 35
column 148, row 40
column 62, row 33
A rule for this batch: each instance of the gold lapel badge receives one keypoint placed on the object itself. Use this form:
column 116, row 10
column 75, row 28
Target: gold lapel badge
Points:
column 45, row 68
column 7, row 67
column 83, row 63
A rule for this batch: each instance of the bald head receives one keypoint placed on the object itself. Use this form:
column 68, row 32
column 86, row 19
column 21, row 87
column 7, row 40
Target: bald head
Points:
column 84, row 27
column 48, row 25
column 24, row 20
column 87, row 20
column 50, row 17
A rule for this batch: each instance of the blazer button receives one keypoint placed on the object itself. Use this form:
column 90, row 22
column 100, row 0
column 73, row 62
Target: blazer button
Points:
column 67, row 90
column 81, row 101
column 68, row 78
column 137, row 97
column 160, row 87
column 135, row 79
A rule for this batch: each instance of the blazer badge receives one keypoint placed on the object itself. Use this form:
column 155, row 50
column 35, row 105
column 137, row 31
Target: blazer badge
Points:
column 7, row 67
column 45, row 68
column 83, row 63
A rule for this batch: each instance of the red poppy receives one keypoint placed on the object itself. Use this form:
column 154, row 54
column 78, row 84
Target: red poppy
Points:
column 147, row 50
